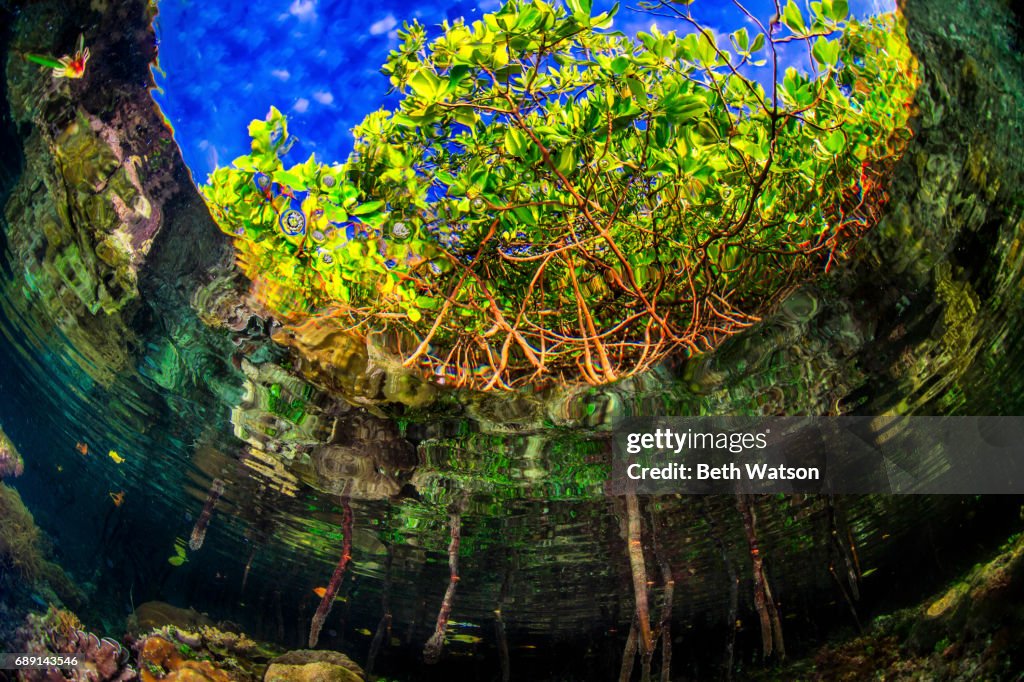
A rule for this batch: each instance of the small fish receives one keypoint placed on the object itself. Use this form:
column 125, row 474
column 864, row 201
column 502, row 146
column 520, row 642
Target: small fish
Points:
column 321, row 591
column 460, row 624
column 83, row 448
column 364, row 632
column 60, row 468
column 118, row 459
column 118, row 498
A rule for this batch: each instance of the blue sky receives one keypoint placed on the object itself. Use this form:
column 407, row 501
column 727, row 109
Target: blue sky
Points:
column 225, row 63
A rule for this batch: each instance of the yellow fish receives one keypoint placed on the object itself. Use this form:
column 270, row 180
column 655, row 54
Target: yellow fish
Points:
column 468, row 639
column 116, row 457
column 364, row 632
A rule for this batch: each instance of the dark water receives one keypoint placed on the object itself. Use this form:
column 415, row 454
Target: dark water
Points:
column 927, row 319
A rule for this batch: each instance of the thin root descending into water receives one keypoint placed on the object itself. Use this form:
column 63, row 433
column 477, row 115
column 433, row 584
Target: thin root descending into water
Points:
column 339, row 574
column 435, row 645
column 768, row 613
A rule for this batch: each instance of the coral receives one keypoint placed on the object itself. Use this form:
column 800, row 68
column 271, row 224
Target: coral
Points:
column 11, row 463
column 60, row 632
column 313, row 666
column 161, row 659
column 203, row 650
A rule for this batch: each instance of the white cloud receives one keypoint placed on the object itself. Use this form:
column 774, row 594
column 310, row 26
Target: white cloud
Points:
column 305, row 10
column 384, row 25
column 281, row 74
column 301, row 105
column 323, row 97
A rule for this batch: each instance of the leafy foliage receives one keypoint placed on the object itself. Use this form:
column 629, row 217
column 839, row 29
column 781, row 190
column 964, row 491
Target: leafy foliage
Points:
column 554, row 199
column 303, row 235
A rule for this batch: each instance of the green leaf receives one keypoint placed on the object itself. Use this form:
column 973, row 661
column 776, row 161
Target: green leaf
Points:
column 826, row 51
column 566, row 161
column 707, row 47
column 637, row 89
column 427, row 303
column 367, row 207
column 425, row 84
column 741, row 39
column 685, row 108
column 619, row 65
column 290, row 179
column 793, row 18
column 42, row 60
column 335, row 213
column 516, row 143
column 836, row 142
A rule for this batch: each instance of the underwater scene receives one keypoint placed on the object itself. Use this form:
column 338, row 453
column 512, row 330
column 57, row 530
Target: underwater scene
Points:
column 378, row 341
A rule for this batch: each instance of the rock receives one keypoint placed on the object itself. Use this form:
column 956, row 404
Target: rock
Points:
column 988, row 596
column 154, row 614
column 307, row 665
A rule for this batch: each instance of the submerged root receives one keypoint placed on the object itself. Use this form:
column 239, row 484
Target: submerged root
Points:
column 629, row 655
column 384, row 626
column 339, row 574
column 665, row 623
column 768, row 614
column 203, row 522
column 435, row 645
column 639, row 569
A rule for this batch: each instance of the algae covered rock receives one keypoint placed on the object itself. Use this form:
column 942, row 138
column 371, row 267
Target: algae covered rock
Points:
column 22, row 549
column 307, row 665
